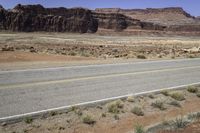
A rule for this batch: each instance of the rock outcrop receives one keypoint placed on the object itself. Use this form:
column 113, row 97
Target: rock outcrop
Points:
column 166, row 16
column 169, row 19
column 120, row 22
column 37, row 18
column 116, row 21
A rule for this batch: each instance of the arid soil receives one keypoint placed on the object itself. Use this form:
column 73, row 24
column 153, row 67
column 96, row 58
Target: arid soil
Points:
column 102, row 47
column 114, row 116
column 20, row 56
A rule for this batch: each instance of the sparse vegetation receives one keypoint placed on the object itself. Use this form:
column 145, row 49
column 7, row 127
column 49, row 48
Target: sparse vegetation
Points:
column 138, row 111
column 198, row 95
column 78, row 112
column 165, row 93
column 192, row 89
column 179, row 122
column 88, row 120
column 165, row 123
column 115, row 106
column 139, row 129
column 151, row 96
column 192, row 56
column 72, row 53
column 28, row 120
column 130, row 99
column 177, row 96
column 175, row 103
column 103, row 114
column 159, row 104
column 116, row 117
column 141, row 57
column 73, row 108
column 61, row 128
column 194, row 116
column 53, row 113
column 198, row 116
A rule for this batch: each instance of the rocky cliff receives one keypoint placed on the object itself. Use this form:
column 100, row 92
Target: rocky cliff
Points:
column 120, row 22
column 163, row 16
column 172, row 19
column 37, row 18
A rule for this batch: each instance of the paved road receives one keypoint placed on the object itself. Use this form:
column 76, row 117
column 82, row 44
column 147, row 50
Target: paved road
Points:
column 25, row 91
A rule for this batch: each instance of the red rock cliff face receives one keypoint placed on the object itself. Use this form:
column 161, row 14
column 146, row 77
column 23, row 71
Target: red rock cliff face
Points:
column 163, row 16
column 37, row 18
column 119, row 22
column 169, row 19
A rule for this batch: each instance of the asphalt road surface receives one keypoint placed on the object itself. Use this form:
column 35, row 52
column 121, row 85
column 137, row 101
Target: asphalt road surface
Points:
column 33, row 90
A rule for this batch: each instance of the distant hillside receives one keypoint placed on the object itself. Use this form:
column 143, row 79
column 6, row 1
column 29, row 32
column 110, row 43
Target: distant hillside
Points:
column 164, row 16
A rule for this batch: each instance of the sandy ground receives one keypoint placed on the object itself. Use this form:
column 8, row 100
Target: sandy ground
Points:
column 18, row 56
column 35, row 50
column 10, row 60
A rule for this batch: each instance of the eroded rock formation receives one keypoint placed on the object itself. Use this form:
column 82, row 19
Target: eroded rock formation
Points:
column 37, row 18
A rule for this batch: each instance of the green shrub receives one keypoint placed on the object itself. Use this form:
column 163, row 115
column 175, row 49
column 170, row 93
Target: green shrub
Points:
column 72, row 53
column 116, row 117
column 73, row 108
column 192, row 89
column 138, row 111
column 159, row 105
column 151, row 96
column 115, row 106
column 139, row 128
column 103, row 114
column 192, row 56
column 165, row 93
column 178, row 96
column 198, row 116
column 78, row 112
column 88, row 120
column 179, row 123
column 175, row 103
column 53, row 113
column 141, row 57
column 28, row 120
column 194, row 116
column 198, row 95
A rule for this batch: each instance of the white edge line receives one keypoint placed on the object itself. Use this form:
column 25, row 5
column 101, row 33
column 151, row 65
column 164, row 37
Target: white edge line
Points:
column 98, row 65
column 90, row 102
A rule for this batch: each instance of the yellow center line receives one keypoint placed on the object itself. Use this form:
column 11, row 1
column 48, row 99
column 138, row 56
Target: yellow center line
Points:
column 18, row 85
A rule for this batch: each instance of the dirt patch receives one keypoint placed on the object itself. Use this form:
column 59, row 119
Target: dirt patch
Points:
column 111, row 117
column 20, row 56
